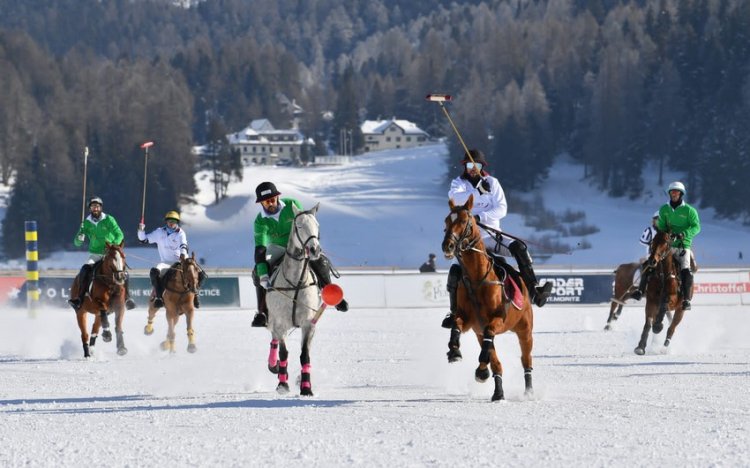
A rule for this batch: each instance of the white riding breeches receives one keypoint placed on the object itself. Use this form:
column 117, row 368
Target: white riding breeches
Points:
column 683, row 257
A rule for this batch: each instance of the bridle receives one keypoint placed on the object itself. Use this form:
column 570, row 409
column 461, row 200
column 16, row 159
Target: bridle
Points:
column 463, row 242
column 301, row 252
column 114, row 259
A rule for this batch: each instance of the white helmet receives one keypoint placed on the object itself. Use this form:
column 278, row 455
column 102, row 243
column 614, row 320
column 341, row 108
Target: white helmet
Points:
column 677, row 185
column 655, row 215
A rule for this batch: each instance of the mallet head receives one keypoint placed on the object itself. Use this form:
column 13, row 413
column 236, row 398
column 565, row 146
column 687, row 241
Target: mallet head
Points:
column 438, row 97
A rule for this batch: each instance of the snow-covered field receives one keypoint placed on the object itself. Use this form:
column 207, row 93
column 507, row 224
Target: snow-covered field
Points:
column 384, row 394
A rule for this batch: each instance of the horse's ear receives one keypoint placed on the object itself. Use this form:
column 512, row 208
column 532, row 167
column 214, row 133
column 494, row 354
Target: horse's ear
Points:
column 107, row 244
column 470, row 202
column 314, row 209
column 182, row 257
column 122, row 243
column 451, row 205
column 193, row 256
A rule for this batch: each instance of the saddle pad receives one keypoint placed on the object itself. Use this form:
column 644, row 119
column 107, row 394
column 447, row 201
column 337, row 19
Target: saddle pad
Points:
column 513, row 292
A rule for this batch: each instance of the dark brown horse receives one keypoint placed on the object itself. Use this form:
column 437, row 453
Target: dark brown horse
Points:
column 180, row 288
column 106, row 295
column 622, row 288
column 481, row 302
column 662, row 290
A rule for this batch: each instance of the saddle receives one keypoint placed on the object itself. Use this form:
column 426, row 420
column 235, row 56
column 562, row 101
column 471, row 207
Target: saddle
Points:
column 511, row 280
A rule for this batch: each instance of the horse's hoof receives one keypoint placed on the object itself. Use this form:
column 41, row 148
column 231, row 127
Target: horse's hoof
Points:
column 498, row 396
column 273, row 369
column 528, row 393
column 639, row 351
column 666, row 342
column 148, row 329
column 164, row 345
column 282, row 388
column 607, row 327
column 107, row 336
column 122, row 351
column 192, row 348
column 657, row 328
column 481, row 375
column 454, row 355
column 306, row 392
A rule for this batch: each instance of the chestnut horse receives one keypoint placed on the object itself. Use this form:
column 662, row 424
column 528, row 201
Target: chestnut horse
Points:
column 662, row 290
column 106, row 295
column 180, row 288
column 481, row 304
column 622, row 288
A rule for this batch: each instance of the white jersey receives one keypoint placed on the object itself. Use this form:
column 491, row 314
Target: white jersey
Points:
column 647, row 236
column 170, row 246
column 490, row 207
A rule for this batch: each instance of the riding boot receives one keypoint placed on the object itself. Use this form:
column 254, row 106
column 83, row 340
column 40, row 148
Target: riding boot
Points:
column 158, row 288
column 322, row 269
column 454, row 276
column 196, row 298
column 129, row 302
column 539, row 294
column 645, row 276
column 84, row 278
column 686, row 278
column 261, row 317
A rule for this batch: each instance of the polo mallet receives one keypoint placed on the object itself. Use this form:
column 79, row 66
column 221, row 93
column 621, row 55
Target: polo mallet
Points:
column 332, row 295
column 85, row 172
column 145, row 146
column 440, row 99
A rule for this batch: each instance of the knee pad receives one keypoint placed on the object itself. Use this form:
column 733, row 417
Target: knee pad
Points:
column 454, row 276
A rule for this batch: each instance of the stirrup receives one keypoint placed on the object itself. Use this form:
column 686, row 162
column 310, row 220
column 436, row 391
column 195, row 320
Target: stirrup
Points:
column 75, row 303
column 129, row 303
column 637, row 295
column 158, row 302
column 686, row 305
column 260, row 320
column 196, row 302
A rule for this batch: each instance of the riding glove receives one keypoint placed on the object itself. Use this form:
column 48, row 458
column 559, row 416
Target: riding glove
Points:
column 483, row 186
column 265, row 282
column 81, row 237
column 141, row 227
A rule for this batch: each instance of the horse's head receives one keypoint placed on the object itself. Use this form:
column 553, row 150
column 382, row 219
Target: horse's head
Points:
column 659, row 248
column 113, row 263
column 305, row 238
column 461, row 232
column 190, row 273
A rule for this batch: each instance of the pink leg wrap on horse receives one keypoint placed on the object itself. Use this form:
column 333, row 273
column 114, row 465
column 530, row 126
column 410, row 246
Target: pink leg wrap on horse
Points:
column 283, row 376
column 306, row 382
column 273, row 353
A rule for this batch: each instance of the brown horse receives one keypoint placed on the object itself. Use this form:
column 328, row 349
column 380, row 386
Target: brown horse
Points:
column 481, row 303
column 662, row 290
column 106, row 295
column 180, row 287
column 622, row 288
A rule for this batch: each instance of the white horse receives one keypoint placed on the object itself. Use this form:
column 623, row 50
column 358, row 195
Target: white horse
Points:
column 293, row 298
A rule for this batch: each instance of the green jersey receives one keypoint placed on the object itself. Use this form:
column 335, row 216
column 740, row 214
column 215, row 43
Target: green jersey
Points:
column 274, row 228
column 99, row 232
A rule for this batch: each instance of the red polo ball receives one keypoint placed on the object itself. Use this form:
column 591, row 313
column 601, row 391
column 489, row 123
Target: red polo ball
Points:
column 332, row 294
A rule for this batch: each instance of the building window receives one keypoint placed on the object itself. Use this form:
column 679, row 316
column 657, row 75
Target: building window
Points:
column 408, row 138
column 388, row 139
column 398, row 139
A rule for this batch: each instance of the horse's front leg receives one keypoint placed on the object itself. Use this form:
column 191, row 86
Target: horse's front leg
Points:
column 168, row 344
column 81, row 319
column 119, row 317
column 189, row 323
column 104, row 321
column 149, row 328
column 678, row 314
column 614, row 313
column 454, row 343
column 304, row 359
column 651, row 310
column 283, row 386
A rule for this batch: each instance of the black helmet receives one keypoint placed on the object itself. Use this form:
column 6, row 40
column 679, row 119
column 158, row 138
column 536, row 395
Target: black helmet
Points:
column 97, row 200
column 264, row 191
column 477, row 156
